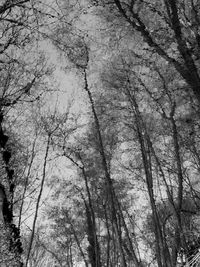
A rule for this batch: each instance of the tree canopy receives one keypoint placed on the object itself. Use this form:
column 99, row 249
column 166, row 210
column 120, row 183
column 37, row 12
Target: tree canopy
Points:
column 99, row 133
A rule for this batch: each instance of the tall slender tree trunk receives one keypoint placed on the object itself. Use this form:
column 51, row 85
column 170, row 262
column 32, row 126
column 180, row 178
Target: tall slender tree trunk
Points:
column 109, row 184
column 91, row 220
column 149, row 179
column 38, row 199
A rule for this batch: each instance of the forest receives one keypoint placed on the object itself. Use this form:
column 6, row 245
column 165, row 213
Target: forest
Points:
column 99, row 133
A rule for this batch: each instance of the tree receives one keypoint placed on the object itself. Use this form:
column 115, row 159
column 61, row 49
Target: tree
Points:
column 170, row 29
column 164, row 175
column 145, row 102
column 21, row 70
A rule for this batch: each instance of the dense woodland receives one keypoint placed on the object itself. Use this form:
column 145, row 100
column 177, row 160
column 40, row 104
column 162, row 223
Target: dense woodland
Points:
column 99, row 133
